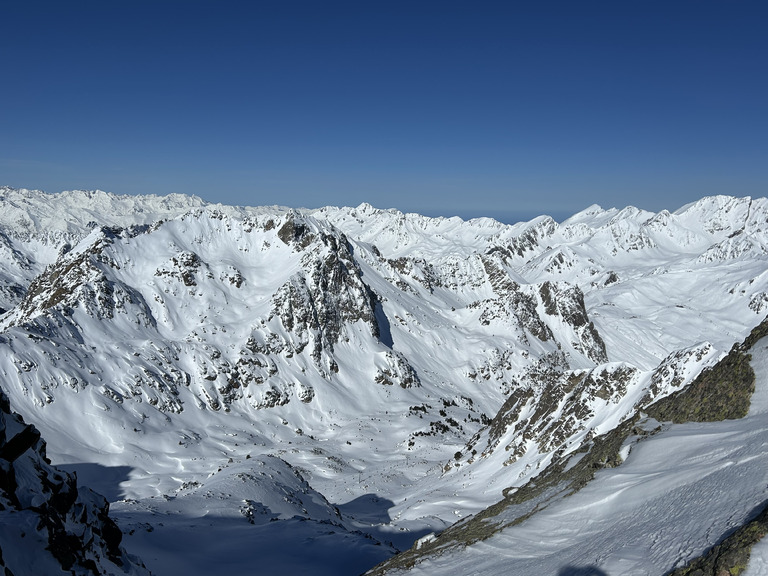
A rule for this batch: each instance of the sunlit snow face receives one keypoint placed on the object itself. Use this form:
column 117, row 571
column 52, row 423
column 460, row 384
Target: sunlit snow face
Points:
column 429, row 363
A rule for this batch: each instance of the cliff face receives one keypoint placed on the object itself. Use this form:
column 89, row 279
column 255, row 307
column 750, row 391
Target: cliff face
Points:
column 48, row 524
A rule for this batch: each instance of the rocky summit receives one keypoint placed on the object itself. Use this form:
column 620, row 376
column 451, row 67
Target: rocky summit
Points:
column 318, row 391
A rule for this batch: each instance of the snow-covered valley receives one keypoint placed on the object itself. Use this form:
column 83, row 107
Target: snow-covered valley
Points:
column 291, row 391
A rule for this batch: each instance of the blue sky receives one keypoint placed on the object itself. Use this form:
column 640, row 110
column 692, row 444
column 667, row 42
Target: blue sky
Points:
column 507, row 109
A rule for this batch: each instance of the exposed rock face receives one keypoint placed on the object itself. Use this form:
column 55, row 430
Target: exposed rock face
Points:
column 49, row 525
column 528, row 240
column 567, row 302
column 81, row 278
column 717, row 393
column 549, row 408
column 316, row 303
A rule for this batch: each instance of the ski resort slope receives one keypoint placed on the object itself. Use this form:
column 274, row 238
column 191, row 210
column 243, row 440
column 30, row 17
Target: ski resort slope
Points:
column 675, row 496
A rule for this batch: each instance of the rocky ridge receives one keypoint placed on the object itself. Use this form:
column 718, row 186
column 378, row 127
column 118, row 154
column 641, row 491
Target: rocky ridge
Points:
column 717, row 393
column 374, row 351
column 49, row 524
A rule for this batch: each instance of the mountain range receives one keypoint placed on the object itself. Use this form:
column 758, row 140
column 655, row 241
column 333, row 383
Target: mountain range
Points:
column 278, row 390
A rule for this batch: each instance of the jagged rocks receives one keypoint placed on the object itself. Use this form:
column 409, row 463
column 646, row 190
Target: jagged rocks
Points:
column 185, row 267
column 529, row 240
column 678, row 369
column 508, row 416
column 549, row 407
column 317, row 303
column 49, row 525
column 567, row 302
column 79, row 279
column 396, row 370
column 293, row 231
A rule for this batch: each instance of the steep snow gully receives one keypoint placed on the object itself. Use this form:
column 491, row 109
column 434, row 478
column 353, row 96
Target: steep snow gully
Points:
column 269, row 390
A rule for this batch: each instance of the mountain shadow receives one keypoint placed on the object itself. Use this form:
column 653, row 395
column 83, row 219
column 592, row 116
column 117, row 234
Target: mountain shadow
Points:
column 368, row 508
column 102, row 479
column 581, row 571
column 187, row 543
column 370, row 514
column 385, row 330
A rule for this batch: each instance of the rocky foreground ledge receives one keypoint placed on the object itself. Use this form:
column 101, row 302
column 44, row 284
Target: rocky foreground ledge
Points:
column 48, row 524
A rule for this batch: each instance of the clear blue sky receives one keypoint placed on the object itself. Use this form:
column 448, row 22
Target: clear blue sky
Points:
column 507, row 109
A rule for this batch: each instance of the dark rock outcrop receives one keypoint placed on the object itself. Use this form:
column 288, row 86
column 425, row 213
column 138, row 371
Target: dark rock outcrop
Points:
column 49, row 525
column 719, row 393
column 730, row 556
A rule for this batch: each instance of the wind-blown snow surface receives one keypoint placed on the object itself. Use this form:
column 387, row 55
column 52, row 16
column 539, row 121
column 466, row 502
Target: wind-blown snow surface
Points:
column 191, row 359
column 674, row 497
column 758, row 561
column 48, row 524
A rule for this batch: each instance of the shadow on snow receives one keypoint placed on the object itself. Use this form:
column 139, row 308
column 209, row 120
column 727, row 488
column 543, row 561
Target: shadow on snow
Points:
column 197, row 543
column 581, row 571
column 170, row 544
column 102, row 479
column 369, row 513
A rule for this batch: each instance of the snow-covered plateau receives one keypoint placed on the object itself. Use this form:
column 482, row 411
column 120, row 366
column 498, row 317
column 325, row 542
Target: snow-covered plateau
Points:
column 279, row 391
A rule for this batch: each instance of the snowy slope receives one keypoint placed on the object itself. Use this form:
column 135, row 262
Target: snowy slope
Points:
column 252, row 515
column 676, row 491
column 648, row 516
column 49, row 524
column 408, row 369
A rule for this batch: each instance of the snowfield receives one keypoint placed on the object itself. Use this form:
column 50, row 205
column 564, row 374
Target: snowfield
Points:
column 312, row 391
column 673, row 498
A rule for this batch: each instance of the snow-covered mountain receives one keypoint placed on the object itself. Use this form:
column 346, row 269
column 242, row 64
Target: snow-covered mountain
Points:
column 336, row 383
column 49, row 525
column 678, row 490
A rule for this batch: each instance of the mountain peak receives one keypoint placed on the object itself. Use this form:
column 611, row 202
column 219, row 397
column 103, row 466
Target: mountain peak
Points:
column 406, row 371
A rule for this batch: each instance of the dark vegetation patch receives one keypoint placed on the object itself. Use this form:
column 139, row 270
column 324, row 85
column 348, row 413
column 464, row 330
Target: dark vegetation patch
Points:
column 730, row 556
column 719, row 393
